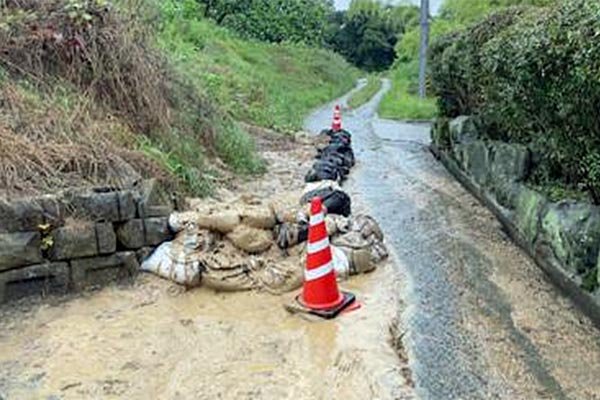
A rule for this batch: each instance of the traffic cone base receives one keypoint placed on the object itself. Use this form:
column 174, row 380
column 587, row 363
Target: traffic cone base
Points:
column 347, row 299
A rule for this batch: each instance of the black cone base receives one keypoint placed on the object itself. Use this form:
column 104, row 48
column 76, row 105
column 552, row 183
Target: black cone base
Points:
column 349, row 299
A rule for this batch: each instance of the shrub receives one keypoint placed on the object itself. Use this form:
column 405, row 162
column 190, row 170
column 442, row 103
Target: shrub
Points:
column 456, row 72
column 533, row 79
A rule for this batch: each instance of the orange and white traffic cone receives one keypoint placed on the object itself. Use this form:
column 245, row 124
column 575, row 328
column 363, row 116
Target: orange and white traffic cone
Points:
column 320, row 294
column 336, row 126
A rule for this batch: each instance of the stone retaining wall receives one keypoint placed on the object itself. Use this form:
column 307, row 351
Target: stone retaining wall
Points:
column 563, row 237
column 78, row 238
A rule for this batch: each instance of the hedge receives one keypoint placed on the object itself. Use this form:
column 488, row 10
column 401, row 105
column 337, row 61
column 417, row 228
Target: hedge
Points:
column 532, row 77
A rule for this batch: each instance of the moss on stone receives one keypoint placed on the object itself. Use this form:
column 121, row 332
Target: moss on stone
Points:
column 573, row 232
column 529, row 206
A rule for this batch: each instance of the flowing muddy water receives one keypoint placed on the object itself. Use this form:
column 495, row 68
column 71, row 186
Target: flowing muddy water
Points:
column 154, row 340
column 482, row 320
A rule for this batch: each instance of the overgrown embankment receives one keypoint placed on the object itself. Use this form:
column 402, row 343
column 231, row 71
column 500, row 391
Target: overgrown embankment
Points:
column 106, row 93
column 528, row 79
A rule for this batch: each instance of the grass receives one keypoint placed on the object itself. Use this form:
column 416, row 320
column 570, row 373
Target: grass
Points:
column 400, row 102
column 159, row 93
column 365, row 94
column 270, row 85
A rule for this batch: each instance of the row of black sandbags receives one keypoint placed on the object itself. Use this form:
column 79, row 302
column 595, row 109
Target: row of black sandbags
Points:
column 334, row 162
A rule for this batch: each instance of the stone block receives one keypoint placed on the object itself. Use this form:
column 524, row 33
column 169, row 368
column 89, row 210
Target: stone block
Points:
column 509, row 162
column 154, row 201
column 529, row 206
column 572, row 231
column 506, row 193
column 474, row 158
column 440, row 133
column 96, row 207
column 106, row 238
column 463, row 130
column 20, row 249
column 127, row 205
column 131, row 234
column 156, row 231
column 20, row 215
column 42, row 279
column 54, row 209
column 99, row 271
column 74, row 241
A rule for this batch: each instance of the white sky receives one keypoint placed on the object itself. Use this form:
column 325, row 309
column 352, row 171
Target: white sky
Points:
column 434, row 4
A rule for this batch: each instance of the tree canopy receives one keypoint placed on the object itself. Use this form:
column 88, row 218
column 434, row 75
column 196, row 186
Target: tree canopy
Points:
column 368, row 32
column 272, row 20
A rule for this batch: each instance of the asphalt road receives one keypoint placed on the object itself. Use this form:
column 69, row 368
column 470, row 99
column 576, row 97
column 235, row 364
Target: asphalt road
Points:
column 481, row 321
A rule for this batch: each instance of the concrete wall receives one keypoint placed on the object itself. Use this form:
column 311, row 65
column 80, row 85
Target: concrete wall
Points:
column 563, row 237
column 78, row 238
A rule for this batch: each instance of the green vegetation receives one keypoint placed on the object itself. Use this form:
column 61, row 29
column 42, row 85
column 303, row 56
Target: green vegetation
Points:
column 270, row 20
column 531, row 77
column 104, row 93
column 272, row 85
column 366, row 93
column 367, row 33
column 400, row 102
column 454, row 16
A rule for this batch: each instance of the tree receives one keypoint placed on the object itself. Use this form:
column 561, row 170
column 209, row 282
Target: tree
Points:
column 368, row 32
column 272, row 20
column 218, row 10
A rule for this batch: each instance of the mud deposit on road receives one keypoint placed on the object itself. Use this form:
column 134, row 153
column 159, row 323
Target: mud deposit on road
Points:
column 156, row 340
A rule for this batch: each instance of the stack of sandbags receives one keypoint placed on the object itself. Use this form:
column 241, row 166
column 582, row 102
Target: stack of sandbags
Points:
column 199, row 256
column 335, row 160
column 229, row 245
column 248, row 225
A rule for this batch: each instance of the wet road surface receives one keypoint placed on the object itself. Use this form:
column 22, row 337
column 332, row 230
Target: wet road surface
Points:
column 477, row 317
column 482, row 321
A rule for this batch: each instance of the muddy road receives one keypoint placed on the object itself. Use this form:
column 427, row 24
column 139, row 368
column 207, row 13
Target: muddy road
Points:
column 477, row 319
column 482, row 321
column 154, row 340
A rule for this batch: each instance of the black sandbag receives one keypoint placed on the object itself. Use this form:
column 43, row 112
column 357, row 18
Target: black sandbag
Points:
column 342, row 137
column 346, row 156
column 289, row 235
column 331, row 133
column 335, row 201
column 333, row 164
column 323, row 172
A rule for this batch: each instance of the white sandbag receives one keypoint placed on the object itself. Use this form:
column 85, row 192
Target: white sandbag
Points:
column 340, row 263
column 178, row 221
column 177, row 260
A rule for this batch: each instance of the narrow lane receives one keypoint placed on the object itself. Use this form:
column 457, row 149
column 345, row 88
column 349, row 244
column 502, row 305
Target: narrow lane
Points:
column 482, row 321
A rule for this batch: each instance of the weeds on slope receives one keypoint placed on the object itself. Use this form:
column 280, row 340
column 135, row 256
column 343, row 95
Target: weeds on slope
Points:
column 270, row 85
column 84, row 86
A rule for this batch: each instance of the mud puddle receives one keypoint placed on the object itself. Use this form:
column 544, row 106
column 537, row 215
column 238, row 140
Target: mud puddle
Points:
column 155, row 340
